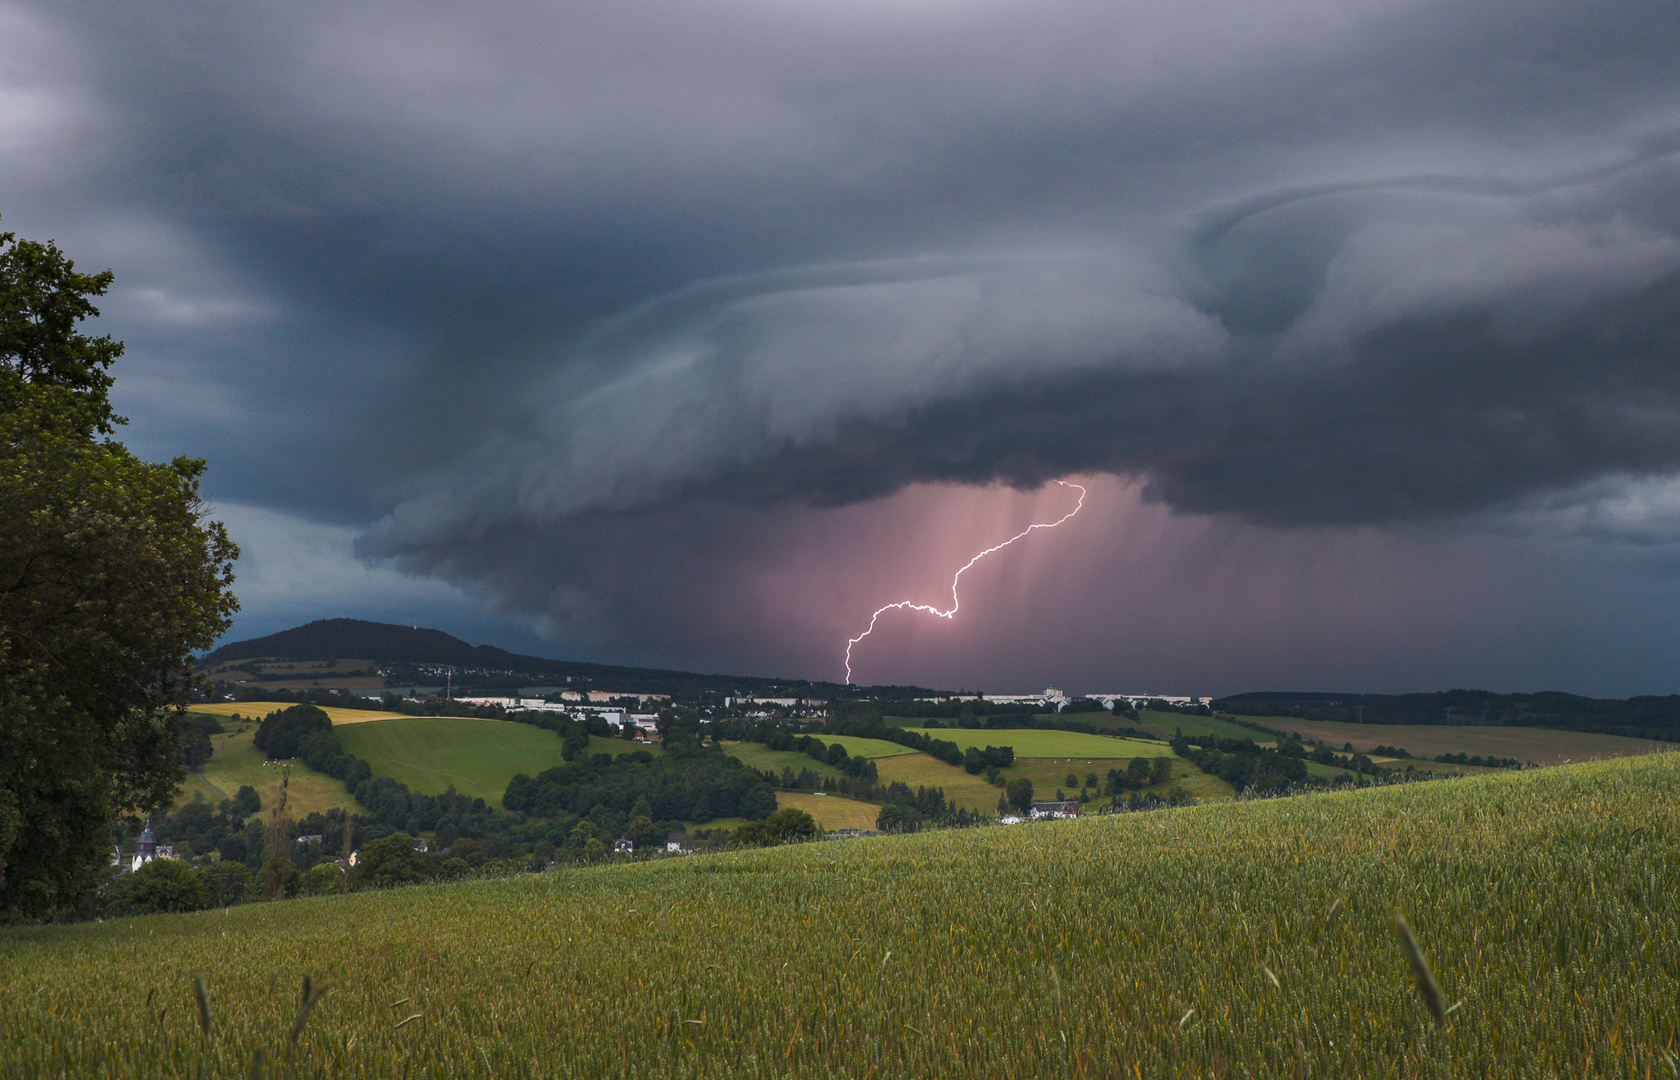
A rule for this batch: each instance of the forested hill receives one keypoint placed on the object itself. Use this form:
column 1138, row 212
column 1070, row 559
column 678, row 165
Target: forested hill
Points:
column 393, row 645
column 1640, row 717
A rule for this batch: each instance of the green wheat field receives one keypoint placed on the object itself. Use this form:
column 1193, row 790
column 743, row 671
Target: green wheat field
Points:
column 1241, row 939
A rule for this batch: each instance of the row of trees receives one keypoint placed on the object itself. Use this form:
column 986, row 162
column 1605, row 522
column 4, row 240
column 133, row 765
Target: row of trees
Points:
column 693, row 784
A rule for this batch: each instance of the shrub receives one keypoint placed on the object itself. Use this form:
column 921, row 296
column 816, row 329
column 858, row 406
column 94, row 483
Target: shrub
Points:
column 321, row 880
column 160, row 885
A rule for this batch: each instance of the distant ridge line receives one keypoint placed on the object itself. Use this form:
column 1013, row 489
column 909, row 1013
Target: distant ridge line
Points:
column 395, row 643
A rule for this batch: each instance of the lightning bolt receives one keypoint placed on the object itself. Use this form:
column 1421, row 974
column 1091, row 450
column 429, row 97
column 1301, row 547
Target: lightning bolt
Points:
column 955, row 578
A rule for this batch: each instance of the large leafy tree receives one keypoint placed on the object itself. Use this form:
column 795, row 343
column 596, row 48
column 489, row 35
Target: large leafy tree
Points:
column 110, row 579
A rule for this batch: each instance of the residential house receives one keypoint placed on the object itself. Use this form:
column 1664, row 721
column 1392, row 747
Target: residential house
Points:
column 1065, row 809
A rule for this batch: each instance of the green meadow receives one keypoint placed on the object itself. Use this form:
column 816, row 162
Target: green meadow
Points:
column 1247, row 938
column 1030, row 742
column 477, row 757
column 761, row 757
column 1166, row 724
column 235, row 761
column 867, row 748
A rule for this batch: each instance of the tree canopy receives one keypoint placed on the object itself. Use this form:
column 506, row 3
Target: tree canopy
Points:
column 110, row 579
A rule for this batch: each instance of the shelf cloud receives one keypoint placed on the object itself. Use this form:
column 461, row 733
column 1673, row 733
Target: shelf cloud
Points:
column 593, row 308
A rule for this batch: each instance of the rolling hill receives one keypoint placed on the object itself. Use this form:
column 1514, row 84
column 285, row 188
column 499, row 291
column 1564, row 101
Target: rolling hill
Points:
column 1242, row 939
column 410, row 654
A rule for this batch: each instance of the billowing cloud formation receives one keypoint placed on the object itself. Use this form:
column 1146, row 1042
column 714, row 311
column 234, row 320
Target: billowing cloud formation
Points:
column 600, row 310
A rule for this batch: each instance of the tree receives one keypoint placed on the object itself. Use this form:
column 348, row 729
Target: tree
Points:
column 322, row 879
column 391, row 861
column 110, row 580
column 890, row 819
column 787, row 825
column 246, row 800
column 759, row 803
column 228, row 880
column 277, row 838
column 160, row 885
column 469, row 851
column 1020, row 792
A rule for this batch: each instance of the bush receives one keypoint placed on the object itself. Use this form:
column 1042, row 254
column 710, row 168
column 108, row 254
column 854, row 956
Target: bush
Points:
column 160, row 885
column 321, row 880
column 468, row 850
column 787, row 825
column 229, row 879
column 388, row 862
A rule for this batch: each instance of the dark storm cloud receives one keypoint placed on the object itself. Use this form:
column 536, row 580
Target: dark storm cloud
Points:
column 539, row 294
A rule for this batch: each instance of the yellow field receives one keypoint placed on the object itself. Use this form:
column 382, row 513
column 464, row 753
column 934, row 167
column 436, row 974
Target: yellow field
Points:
column 831, row 811
column 260, row 709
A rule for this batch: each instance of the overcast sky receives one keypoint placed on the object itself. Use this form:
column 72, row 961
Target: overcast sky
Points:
column 691, row 333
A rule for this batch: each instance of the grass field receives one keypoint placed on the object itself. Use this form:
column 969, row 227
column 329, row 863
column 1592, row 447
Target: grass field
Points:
column 1164, row 724
column 1426, row 740
column 831, row 811
column 1243, row 939
column 868, row 748
column 479, row 757
column 615, row 747
column 761, row 757
column 260, row 709
column 919, row 770
column 235, row 761
column 1050, row 744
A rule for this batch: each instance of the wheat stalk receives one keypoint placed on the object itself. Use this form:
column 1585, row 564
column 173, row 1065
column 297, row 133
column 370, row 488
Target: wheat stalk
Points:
column 1428, row 988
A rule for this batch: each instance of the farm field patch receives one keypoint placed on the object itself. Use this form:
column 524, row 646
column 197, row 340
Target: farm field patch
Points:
column 1164, row 724
column 599, row 744
column 761, row 757
column 258, row 709
column 1048, row 774
column 1031, row 742
column 236, row 761
column 430, row 753
column 1258, row 933
column 868, row 748
column 918, row 770
column 1540, row 745
column 831, row 811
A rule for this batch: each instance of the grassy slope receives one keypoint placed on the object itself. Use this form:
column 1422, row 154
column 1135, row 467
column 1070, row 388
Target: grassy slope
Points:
column 869, row 748
column 234, row 761
column 919, row 770
column 1164, row 724
column 1053, row 744
column 758, row 756
column 1427, row 740
column 429, row 753
column 1543, row 899
column 832, row 811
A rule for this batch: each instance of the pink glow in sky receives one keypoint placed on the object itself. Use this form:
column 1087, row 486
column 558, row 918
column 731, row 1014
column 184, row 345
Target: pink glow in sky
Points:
column 1130, row 597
